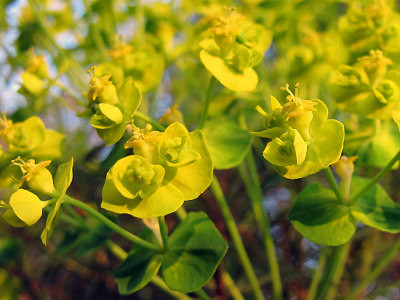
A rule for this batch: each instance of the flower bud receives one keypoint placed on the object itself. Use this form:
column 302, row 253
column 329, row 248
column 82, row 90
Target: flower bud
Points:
column 345, row 169
column 101, row 89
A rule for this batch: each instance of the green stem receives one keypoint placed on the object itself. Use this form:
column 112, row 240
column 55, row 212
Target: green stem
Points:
column 141, row 116
column 164, row 232
column 253, row 187
column 333, row 184
column 181, row 213
column 376, row 179
column 202, row 294
column 236, row 239
column 231, row 286
column 124, row 233
column 335, row 270
column 376, row 271
column 72, row 221
column 312, row 292
column 204, row 115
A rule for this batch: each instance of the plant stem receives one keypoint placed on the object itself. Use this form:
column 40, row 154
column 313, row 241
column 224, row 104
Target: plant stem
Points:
column 164, row 232
column 253, row 187
column 117, row 250
column 202, row 294
column 376, row 179
column 204, row 115
column 332, row 182
column 335, row 270
column 312, row 292
column 231, row 286
column 147, row 119
column 124, row 233
column 236, row 239
column 376, row 271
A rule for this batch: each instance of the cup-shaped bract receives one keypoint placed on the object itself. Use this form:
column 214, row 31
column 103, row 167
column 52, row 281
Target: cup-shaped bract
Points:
column 25, row 209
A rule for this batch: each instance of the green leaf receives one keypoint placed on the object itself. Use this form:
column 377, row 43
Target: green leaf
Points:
column 85, row 239
column 52, row 221
column 227, row 76
column 196, row 249
column 62, row 181
column 227, row 142
column 320, row 217
column 138, row 268
column 375, row 208
column 380, row 148
column 64, row 176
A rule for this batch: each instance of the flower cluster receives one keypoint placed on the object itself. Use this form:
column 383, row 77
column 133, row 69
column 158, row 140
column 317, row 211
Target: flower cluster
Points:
column 110, row 108
column 300, row 136
column 368, row 87
column 232, row 47
column 166, row 169
column 371, row 26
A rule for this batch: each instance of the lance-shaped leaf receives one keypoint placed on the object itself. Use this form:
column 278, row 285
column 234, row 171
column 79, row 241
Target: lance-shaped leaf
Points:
column 62, row 181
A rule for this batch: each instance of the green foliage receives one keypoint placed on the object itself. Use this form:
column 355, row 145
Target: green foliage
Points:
column 319, row 216
column 195, row 250
column 62, row 181
column 227, row 142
